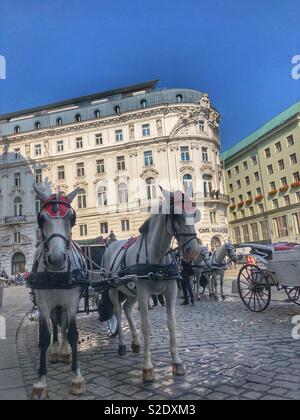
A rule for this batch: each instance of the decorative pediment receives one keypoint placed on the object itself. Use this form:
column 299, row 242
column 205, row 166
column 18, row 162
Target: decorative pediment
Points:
column 149, row 173
column 121, row 178
column 61, row 187
column 81, row 184
column 187, row 168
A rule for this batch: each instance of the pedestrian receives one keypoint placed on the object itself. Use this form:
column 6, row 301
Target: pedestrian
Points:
column 158, row 298
column 187, row 272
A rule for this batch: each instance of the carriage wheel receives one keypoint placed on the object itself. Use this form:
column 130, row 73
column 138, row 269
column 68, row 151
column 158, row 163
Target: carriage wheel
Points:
column 254, row 287
column 293, row 294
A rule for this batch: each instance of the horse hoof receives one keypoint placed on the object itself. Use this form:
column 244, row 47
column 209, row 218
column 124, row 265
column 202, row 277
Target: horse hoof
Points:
column 136, row 348
column 40, row 393
column 66, row 358
column 122, row 350
column 78, row 386
column 178, row 369
column 148, row 376
column 216, row 298
column 223, row 297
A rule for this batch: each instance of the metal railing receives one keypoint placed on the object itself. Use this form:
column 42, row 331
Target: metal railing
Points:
column 14, row 219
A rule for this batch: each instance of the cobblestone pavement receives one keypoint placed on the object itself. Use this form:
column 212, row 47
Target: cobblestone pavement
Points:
column 228, row 352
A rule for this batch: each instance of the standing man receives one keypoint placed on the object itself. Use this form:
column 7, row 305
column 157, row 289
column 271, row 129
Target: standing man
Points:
column 187, row 272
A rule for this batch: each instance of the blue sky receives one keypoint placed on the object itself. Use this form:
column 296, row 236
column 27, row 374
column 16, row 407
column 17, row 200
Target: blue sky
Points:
column 238, row 51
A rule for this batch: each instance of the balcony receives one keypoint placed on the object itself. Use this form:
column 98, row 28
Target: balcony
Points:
column 217, row 197
column 12, row 220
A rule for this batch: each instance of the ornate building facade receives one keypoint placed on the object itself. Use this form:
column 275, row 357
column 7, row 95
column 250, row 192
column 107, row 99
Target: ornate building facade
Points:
column 117, row 147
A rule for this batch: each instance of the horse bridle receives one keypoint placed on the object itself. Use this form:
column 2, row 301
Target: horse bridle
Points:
column 177, row 235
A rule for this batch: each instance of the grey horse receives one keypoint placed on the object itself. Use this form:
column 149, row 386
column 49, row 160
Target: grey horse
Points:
column 57, row 256
column 176, row 218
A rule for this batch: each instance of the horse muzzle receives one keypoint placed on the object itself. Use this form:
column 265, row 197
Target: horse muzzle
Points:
column 191, row 254
column 56, row 263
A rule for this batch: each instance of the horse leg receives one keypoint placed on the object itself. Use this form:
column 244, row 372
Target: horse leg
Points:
column 40, row 389
column 215, row 286
column 222, row 285
column 54, row 355
column 143, row 297
column 65, row 353
column 78, row 383
column 114, row 297
column 171, row 296
column 210, row 283
column 128, row 307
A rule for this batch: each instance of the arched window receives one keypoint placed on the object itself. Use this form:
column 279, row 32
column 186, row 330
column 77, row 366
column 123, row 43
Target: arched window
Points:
column 123, row 193
column 143, row 103
column 97, row 113
column 17, row 129
column 81, row 199
column 151, row 188
column 188, row 185
column 38, row 205
column 102, row 197
column 37, row 125
column 18, row 207
column 59, row 121
column 77, row 117
column 179, row 98
column 117, row 109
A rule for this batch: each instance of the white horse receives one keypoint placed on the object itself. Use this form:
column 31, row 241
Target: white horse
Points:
column 57, row 297
column 150, row 253
column 218, row 267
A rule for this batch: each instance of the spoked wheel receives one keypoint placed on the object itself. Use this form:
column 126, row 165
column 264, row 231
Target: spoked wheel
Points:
column 113, row 326
column 293, row 294
column 254, row 287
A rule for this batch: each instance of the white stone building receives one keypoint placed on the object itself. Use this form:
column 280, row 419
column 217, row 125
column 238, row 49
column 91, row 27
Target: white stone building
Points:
column 117, row 146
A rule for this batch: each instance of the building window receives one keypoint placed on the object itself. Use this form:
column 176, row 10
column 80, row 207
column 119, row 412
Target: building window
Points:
column 255, row 233
column 207, row 186
column 278, row 147
column 258, row 191
column 213, row 217
column 151, row 188
column 97, row 113
column 121, row 163
column 205, row 154
column 245, row 165
column 261, row 208
column 229, row 174
column 79, row 143
column 246, row 233
column 237, row 235
column 287, row 201
column 37, row 150
column 99, row 139
column 256, row 176
column 146, row 130
column 270, row 169
column 81, row 199
column 230, row 188
column 123, row 193
column 254, row 160
column 38, row 205
column 77, row 118
column 275, row 203
column 281, row 165
column 290, row 140
column 17, row 237
column 61, row 172
column 125, row 225
column 80, row 169
column 17, row 129
column 119, row 135
column 298, row 196
column 59, row 121
column 284, row 182
column 296, row 177
column 83, row 230
column 281, row 226
column 293, row 158
column 60, row 146
column 102, row 197
column 104, row 228
column 272, row 186
column 148, row 158
column 117, row 109
column 179, row 98
column 296, row 220
column 188, row 185
column 268, row 153
column 100, row 166
column 251, row 211
column 17, row 154
column 247, row 180
column 201, row 126
column 18, row 207
column 238, row 184
column 17, row 179
column 237, row 170
column 143, row 103
column 38, row 176
column 185, row 154
column 249, row 195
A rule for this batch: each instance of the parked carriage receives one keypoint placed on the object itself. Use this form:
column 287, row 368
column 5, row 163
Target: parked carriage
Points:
column 275, row 266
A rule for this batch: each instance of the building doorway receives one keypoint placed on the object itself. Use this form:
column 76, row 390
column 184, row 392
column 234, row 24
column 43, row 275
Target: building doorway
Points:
column 18, row 263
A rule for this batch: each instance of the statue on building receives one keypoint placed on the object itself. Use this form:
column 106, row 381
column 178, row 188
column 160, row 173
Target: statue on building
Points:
column 205, row 101
column 159, row 127
column 131, row 132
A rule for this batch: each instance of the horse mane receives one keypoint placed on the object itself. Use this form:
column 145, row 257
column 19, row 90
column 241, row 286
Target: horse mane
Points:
column 145, row 226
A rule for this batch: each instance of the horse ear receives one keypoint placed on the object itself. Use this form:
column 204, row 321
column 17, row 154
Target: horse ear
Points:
column 73, row 194
column 41, row 195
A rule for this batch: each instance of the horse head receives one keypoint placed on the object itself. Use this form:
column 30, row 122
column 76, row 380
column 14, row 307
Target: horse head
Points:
column 231, row 252
column 181, row 219
column 56, row 220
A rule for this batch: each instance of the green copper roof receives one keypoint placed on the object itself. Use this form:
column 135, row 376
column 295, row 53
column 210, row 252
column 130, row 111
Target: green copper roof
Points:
column 269, row 126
